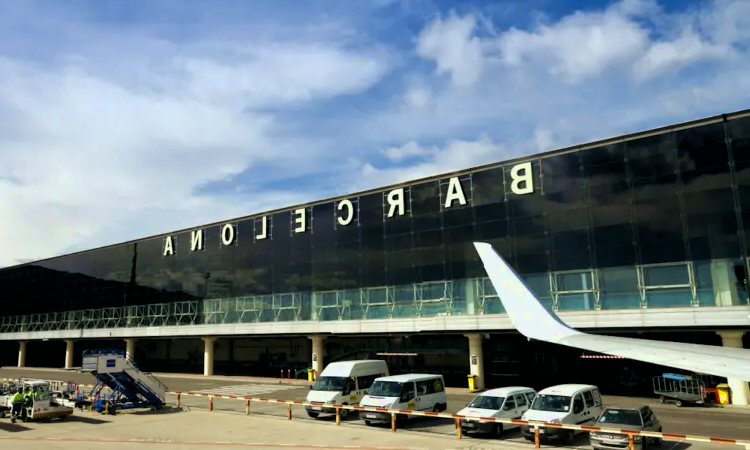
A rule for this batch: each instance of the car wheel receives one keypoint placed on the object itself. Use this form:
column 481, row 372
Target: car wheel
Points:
column 313, row 415
column 497, row 430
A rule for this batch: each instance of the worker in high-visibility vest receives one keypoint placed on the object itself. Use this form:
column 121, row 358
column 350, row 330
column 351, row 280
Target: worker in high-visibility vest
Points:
column 17, row 405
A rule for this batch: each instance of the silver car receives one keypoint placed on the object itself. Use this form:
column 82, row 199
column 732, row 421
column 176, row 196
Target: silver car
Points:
column 640, row 418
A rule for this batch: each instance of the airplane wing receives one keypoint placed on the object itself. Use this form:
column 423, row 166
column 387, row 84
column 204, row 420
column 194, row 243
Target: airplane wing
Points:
column 534, row 321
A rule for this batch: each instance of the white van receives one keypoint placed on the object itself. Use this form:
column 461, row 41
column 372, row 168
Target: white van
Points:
column 412, row 391
column 503, row 403
column 573, row 404
column 343, row 383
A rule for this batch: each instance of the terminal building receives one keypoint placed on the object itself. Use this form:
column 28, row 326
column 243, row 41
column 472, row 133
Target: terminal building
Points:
column 642, row 235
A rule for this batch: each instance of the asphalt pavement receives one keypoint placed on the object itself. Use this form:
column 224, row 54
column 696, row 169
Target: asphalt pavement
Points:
column 726, row 422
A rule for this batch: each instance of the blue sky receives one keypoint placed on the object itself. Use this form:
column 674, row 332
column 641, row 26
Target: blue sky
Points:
column 122, row 119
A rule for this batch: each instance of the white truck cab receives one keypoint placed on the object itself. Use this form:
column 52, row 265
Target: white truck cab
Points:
column 343, row 383
column 412, row 391
column 502, row 403
column 574, row 404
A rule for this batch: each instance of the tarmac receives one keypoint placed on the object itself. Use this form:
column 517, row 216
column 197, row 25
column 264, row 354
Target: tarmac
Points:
column 194, row 429
column 204, row 429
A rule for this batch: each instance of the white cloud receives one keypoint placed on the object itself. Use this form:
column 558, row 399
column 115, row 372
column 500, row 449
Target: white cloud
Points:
column 98, row 148
column 455, row 154
column 84, row 151
column 453, row 48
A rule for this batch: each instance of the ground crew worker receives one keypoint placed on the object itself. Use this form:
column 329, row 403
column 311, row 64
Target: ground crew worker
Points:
column 17, row 403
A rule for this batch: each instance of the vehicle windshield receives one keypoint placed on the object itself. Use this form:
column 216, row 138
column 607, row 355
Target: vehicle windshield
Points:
column 487, row 402
column 330, row 384
column 553, row 403
column 621, row 417
column 386, row 389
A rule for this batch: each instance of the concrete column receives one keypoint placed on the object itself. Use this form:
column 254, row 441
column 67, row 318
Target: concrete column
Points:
column 69, row 345
column 22, row 354
column 130, row 349
column 740, row 388
column 318, row 353
column 208, row 356
column 476, row 359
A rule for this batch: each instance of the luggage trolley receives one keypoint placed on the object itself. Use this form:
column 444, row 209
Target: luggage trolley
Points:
column 680, row 389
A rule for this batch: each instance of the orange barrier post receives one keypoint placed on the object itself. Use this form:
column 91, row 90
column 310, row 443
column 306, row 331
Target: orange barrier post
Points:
column 393, row 422
column 178, row 399
column 631, row 442
column 247, row 407
column 289, row 412
column 210, row 403
column 338, row 416
column 537, row 443
column 458, row 428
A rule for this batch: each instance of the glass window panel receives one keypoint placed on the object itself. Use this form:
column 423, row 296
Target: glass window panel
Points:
column 571, row 259
column 525, row 226
column 666, row 275
column 578, row 281
column 575, row 302
column 619, row 279
column 427, row 222
column 577, row 240
column 614, row 255
column 625, row 300
column 652, row 155
column 457, row 217
column 492, row 230
column 572, row 219
column 701, row 146
column 606, row 154
column 708, row 201
column 538, row 283
column 425, row 198
column 491, row 212
column 488, row 186
column 665, row 250
column 669, row 298
column 532, row 263
column 739, row 132
column 611, row 214
column 613, row 235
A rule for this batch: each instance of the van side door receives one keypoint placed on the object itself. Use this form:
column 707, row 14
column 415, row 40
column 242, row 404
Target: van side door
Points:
column 522, row 405
column 580, row 413
column 425, row 401
column 591, row 408
column 409, row 396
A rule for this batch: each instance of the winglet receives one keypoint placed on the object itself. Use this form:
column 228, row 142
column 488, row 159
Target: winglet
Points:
column 525, row 310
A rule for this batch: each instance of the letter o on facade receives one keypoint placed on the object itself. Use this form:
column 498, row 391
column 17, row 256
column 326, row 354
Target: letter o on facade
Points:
column 227, row 234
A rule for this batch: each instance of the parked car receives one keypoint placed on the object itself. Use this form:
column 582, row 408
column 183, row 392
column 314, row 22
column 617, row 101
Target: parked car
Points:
column 641, row 418
column 505, row 403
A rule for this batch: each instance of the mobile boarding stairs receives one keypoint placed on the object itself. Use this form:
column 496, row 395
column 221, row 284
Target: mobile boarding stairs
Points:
column 130, row 387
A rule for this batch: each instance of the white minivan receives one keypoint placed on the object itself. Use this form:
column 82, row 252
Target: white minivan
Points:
column 343, row 383
column 573, row 404
column 412, row 391
column 502, row 403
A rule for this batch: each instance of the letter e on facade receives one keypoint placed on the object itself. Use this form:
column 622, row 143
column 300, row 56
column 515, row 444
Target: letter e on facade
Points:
column 300, row 220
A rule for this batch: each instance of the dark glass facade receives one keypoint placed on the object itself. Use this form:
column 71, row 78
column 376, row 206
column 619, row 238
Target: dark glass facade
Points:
column 654, row 220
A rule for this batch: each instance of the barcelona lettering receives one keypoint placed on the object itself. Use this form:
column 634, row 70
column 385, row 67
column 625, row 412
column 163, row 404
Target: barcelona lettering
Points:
column 394, row 205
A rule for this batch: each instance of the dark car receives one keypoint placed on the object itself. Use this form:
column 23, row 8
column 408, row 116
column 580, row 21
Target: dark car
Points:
column 640, row 418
